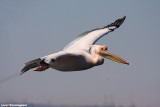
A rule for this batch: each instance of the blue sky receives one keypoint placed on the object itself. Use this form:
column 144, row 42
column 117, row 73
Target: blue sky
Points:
column 34, row 28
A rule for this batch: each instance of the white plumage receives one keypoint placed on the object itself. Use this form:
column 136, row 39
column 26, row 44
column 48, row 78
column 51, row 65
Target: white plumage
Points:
column 80, row 54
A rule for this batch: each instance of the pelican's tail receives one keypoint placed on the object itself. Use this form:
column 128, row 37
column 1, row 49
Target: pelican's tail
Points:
column 34, row 63
column 30, row 65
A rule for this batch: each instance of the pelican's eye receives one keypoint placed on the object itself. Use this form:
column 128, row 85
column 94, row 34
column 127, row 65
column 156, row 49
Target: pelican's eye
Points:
column 104, row 48
column 101, row 49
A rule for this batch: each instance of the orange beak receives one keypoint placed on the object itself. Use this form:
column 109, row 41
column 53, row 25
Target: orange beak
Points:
column 112, row 57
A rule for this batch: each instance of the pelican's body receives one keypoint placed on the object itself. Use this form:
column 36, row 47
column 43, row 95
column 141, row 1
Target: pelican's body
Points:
column 80, row 54
column 73, row 60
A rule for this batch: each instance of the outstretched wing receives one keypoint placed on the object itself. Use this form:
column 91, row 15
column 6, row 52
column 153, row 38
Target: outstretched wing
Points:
column 86, row 39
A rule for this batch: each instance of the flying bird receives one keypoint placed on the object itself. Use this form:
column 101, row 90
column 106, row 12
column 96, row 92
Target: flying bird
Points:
column 80, row 54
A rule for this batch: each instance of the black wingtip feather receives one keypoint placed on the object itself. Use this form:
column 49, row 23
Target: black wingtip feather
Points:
column 118, row 22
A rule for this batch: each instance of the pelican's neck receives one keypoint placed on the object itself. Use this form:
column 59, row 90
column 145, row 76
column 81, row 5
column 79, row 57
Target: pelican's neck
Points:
column 97, row 59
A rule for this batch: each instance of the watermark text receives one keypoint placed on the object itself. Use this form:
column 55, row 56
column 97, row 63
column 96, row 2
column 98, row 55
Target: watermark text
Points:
column 13, row 105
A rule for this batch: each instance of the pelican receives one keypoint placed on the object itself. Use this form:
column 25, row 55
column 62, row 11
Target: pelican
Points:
column 80, row 54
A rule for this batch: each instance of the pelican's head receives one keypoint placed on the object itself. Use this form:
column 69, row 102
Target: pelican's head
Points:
column 103, row 51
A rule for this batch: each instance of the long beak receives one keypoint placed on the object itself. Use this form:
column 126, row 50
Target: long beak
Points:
column 112, row 57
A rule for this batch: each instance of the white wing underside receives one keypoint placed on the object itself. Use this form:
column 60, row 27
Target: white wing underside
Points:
column 86, row 39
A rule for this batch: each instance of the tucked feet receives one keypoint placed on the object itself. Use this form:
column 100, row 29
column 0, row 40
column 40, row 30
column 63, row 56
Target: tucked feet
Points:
column 42, row 68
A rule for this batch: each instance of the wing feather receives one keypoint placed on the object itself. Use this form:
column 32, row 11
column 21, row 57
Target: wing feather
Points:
column 88, row 38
